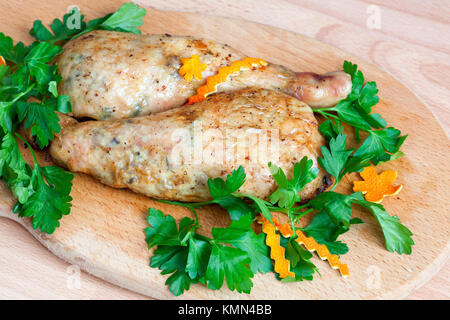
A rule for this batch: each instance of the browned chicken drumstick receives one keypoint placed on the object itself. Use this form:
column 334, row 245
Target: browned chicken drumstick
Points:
column 115, row 75
column 171, row 154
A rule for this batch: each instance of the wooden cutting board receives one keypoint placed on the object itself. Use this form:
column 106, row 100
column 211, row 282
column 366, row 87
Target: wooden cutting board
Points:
column 104, row 234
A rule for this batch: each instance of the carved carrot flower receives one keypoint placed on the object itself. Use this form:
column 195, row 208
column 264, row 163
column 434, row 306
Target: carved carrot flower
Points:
column 376, row 186
column 192, row 67
column 2, row 61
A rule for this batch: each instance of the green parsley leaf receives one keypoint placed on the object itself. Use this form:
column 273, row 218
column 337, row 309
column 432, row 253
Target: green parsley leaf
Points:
column 222, row 193
column 236, row 253
column 299, row 260
column 287, row 192
column 379, row 143
column 4, row 70
column 304, row 173
column 324, row 231
column 219, row 188
column 230, row 264
column 63, row 104
column 335, row 158
column 10, row 52
column 330, row 130
column 42, row 120
column 357, row 163
column 52, row 88
column 176, row 250
column 347, row 113
column 261, row 206
column 51, row 199
column 397, row 236
column 14, row 169
column 197, row 261
column 40, row 32
column 357, row 79
column 235, row 206
column 126, row 19
column 172, row 259
column 163, row 230
column 38, row 60
column 336, row 205
column 241, row 235
column 6, row 115
column 338, row 208
column 368, row 97
column 179, row 282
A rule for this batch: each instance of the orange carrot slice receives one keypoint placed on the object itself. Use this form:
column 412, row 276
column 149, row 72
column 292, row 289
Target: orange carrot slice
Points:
column 309, row 242
column 282, row 265
column 222, row 75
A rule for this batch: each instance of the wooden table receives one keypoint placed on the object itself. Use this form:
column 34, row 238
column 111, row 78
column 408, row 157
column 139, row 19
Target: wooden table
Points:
column 408, row 38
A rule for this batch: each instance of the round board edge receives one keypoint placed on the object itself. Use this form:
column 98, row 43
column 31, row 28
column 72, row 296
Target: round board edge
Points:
column 365, row 63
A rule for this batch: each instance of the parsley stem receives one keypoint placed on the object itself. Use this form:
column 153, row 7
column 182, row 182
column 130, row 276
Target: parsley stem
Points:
column 324, row 109
column 327, row 114
column 186, row 204
column 29, row 147
column 277, row 209
column 201, row 237
column 201, row 204
column 196, row 216
column 335, row 185
column 20, row 95
column 304, row 213
column 302, row 206
column 291, row 218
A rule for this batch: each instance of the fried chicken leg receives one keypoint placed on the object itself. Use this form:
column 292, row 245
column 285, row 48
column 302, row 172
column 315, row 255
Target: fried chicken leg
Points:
column 171, row 154
column 114, row 75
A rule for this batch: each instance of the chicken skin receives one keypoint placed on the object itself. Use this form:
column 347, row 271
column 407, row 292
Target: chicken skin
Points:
column 171, row 154
column 115, row 75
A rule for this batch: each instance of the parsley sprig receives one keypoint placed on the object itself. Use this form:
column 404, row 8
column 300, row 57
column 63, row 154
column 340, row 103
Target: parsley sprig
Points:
column 382, row 143
column 127, row 19
column 234, row 254
column 29, row 95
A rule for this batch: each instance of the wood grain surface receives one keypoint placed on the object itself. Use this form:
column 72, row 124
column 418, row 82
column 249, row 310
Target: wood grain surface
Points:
column 28, row 270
